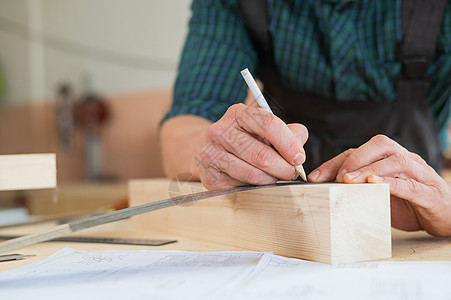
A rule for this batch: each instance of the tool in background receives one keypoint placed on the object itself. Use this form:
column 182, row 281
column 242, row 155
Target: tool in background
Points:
column 91, row 114
column 66, row 123
column 66, row 229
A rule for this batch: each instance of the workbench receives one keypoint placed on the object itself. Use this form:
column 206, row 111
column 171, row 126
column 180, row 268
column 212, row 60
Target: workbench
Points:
column 406, row 245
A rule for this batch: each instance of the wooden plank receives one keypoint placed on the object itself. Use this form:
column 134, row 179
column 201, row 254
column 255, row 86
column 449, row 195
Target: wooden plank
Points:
column 27, row 171
column 75, row 197
column 331, row 223
column 96, row 220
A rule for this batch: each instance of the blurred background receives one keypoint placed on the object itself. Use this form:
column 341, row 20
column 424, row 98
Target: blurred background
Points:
column 89, row 80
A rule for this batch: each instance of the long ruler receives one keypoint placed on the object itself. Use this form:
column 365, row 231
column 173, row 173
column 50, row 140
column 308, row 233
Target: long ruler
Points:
column 77, row 225
column 103, row 240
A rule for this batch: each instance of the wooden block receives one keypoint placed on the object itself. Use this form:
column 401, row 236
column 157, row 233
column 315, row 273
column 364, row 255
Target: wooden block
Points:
column 75, row 198
column 27, row 171
column 331, row 223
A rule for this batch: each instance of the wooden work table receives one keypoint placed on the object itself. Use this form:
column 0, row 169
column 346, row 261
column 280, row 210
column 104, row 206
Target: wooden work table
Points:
column 406, row 245
column 120, row 229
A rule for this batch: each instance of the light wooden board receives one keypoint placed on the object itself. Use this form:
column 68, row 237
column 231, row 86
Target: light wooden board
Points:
column 331, row 223
column 27, row 171
column 96, row 220
column 75, row 197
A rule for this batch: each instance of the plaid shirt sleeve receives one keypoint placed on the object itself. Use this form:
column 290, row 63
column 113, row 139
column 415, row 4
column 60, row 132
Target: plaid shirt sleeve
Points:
column 217, row 48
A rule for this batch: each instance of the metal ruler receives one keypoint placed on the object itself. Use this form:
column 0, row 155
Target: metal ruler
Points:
column 77, row 225
column 14, row 256
column 103, row 240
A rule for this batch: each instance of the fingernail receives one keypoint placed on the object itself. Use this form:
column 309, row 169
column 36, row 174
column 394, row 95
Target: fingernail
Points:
column 375, row 179
column 314, row 175
column 353, row 175
column 299, row 158
column 296, row 175
column 341, row 174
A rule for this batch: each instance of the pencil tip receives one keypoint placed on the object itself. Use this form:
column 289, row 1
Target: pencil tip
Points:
column 301, row 172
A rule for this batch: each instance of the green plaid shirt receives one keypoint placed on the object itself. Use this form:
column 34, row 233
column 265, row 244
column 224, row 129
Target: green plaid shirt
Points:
column 337, row 48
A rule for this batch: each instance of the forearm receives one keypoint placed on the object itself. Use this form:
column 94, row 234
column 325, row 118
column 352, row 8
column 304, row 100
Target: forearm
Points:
column 181, row 140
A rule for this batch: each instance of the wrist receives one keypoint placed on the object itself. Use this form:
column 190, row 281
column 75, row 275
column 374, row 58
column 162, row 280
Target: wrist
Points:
column 200, row 141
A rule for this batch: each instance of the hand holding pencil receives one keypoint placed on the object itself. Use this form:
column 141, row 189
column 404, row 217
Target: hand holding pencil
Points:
column 248, row 145
column 263, row 104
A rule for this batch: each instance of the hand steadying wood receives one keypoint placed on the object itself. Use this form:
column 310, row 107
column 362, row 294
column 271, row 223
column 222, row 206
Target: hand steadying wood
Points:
column 420, row 197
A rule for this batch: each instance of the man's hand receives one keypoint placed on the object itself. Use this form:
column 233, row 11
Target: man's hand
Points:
column 420, row 198
column 249, row 145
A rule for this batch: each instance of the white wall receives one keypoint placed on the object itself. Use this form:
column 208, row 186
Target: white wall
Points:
column 14, row 61
column 123, row 45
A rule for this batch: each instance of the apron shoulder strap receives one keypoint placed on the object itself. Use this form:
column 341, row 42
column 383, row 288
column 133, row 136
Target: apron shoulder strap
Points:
column 255, row 15
column 421, row 23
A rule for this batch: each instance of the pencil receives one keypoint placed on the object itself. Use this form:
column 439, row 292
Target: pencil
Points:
column 263, row 104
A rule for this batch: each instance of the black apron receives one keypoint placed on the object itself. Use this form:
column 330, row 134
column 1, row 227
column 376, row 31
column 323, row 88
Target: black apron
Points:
column 335, row 126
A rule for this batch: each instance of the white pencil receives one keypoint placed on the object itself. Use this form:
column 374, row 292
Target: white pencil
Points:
column 263, row 104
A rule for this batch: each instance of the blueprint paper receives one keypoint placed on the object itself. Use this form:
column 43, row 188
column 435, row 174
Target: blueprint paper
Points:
column 71, row 274
column 288, row 278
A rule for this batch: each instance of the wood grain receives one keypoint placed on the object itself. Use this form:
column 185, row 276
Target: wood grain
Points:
column 332, row 223
column 96, row 220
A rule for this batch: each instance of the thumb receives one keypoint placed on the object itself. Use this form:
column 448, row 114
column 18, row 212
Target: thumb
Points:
column 300, row 131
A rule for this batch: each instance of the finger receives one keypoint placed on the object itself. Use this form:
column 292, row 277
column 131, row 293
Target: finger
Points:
column 250, row 149
column 244, row 172
column 273, row 129
column 210, row 176
column 399, row 165
column 328, row 170
column 264, row 141
column 299, row 131
column 213, row 179
column 375, row 149
column 216, row 159
column 403, row 215
column 411, row 190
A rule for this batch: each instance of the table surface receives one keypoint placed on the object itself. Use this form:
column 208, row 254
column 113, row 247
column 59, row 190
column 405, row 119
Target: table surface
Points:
column 405, row 245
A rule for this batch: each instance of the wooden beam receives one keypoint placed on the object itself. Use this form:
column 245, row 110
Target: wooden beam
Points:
column 96, row 220
column 331, row 223
column 27, row 171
